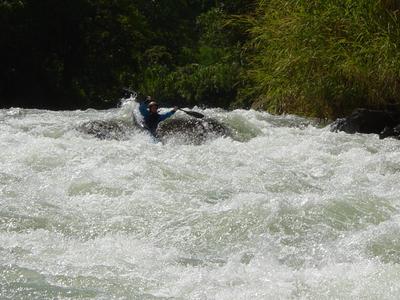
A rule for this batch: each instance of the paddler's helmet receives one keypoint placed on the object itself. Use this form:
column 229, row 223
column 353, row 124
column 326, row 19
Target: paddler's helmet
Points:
column 152, row 103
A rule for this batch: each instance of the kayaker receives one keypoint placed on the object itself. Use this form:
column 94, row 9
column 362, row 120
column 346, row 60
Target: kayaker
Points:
column 151, row 117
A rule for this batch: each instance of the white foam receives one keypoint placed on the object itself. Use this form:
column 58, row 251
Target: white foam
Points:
column 283, row 210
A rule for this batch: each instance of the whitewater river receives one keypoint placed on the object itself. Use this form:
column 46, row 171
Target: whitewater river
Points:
column 283, row 209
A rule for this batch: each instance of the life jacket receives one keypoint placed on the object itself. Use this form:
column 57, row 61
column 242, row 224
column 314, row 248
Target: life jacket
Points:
column 151, row 122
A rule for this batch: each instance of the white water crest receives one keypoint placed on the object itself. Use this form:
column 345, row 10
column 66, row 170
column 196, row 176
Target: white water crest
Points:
column 284, row 209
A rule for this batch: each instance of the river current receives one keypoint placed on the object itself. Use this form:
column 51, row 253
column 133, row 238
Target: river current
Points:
column 283, row 209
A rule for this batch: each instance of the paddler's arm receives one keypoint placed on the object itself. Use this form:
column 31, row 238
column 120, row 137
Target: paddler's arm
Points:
column 168, row 114
column 143, row 109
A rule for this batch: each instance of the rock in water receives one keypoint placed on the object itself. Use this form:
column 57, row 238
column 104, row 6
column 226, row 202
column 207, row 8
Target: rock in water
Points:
column 369, row 121
column 194, row 131
column 390, row 132
column 105, row 129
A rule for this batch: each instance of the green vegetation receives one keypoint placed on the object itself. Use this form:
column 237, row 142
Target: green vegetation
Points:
column 76, row 54
column 206, row 71
column 324, row 58
column 68, row 54
column 313, row 58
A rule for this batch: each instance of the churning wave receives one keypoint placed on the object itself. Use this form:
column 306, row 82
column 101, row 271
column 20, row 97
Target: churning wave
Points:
column 279, row 208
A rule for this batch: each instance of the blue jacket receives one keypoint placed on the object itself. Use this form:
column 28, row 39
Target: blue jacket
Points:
column 151, row 120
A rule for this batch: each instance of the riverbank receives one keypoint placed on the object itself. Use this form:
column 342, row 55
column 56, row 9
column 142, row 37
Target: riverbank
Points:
column 317, row 59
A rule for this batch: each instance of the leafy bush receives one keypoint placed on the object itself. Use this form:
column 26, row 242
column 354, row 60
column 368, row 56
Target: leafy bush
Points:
column 206, row 73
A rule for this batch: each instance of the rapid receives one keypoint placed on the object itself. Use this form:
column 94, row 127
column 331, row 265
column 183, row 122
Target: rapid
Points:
column 283, row 209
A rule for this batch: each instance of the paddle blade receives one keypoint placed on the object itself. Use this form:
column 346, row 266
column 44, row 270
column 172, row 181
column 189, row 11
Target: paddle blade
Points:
column 193, row 113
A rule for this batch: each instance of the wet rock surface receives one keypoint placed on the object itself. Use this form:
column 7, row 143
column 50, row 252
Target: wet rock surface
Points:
column 106, row 129
column 195, row 131
column 384, row 123
column 191, row 130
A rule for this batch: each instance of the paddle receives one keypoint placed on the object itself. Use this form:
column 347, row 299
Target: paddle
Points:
column 190, row 113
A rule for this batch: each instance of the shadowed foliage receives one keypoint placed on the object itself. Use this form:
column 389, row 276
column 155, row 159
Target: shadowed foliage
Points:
column 313, row 58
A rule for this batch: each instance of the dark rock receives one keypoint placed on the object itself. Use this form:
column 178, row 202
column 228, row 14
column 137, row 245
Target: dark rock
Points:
column 369, row 121
column 192, row 130
column 105, row 129
column 386, row 132
column 390, row 132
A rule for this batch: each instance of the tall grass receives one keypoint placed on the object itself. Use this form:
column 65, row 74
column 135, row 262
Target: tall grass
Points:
column 324, row 58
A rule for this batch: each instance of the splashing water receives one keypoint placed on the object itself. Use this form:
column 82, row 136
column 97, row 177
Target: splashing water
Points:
column 283, row 209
